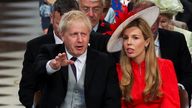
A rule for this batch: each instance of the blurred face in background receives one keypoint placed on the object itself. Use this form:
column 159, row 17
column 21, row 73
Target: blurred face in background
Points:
column 106, row 7
column 93, row 9
column 165, row 21
column 55, row 19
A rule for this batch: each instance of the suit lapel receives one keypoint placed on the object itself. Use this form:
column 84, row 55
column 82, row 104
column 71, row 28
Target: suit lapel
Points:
column 163, row 38
column 64, row 71
column 91, row 63
column 51, row 38
column 103, row 26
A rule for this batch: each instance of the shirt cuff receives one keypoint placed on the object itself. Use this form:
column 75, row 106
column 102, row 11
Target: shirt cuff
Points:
column 49, row 69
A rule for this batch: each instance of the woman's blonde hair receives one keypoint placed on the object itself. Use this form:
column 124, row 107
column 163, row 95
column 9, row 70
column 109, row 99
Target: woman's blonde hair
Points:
column 152, row 76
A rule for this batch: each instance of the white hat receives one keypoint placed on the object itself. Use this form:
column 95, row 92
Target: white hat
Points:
column 150, row 15
column 169, row 6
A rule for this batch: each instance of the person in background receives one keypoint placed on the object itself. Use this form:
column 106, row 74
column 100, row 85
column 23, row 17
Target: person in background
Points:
column 94, row 9
column 77, row 76
column 146, row 81
column 108, row 12
column 128, row 4
column 45, row 7
column 172, row 45
column 174, row 8
column 186, row 15
column 165, row 22
column 167, row 13
column 28, row 94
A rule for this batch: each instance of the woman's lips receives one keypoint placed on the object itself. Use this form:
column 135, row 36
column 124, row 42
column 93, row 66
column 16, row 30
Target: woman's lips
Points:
column 130, row 50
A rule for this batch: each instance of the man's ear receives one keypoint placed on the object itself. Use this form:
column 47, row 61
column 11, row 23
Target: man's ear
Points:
column 61, row 34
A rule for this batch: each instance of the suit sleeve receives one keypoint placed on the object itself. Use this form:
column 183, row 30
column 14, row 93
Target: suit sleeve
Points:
column 185, row 65
column 26, row 86
column 113, row 94
column 41, row 60
column 33, row 76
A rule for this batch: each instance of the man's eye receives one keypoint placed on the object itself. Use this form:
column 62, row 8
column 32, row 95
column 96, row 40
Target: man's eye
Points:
column 83, row 34
column 85, row 9
column 125, row 37
column 73, row 34
column 95, row 9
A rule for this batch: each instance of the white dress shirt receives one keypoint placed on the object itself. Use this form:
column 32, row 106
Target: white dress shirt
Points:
column 157, row 46
column 96, row 28
column 79, row 64
column 57, row 39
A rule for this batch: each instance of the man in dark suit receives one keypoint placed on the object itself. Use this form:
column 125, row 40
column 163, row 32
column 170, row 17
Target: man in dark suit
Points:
column 90, row 81
column 26, row 91
column 173, row 46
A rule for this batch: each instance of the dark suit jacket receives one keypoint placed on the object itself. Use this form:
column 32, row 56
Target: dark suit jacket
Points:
column 101, row 82
column 103, row 26
column 99, row 41
column 173, row 46
column 26, row 91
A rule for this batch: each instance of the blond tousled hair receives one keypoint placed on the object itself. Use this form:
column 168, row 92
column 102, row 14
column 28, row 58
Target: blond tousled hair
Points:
column 71, row 16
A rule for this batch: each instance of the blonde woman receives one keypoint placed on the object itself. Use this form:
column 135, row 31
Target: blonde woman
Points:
column 145, row 80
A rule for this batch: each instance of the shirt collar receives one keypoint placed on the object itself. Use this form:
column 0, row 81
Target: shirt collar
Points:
column 156, row 42
column 96, row 27
column 80, row 58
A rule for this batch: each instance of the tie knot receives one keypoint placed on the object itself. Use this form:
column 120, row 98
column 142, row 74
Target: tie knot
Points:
column 73, row 58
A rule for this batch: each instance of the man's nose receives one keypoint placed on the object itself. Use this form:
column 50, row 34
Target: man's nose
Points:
column 90, row 12
column 79, row 37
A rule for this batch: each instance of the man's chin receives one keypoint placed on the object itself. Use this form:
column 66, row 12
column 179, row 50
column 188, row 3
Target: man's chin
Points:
column 93, row 23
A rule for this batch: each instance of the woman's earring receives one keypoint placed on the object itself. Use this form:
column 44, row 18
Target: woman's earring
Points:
column 146, row 46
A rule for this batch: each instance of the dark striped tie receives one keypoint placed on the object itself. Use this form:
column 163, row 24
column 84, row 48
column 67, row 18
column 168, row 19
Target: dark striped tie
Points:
column 73, row 67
